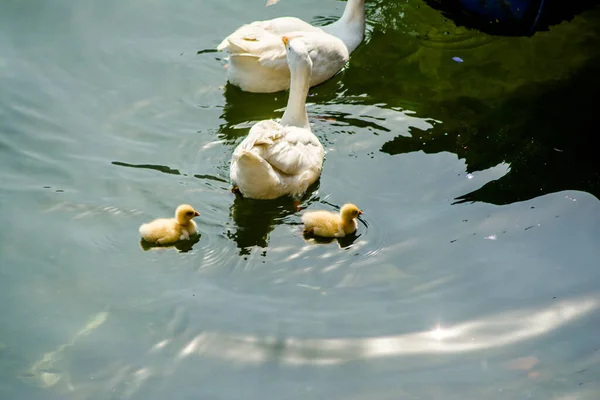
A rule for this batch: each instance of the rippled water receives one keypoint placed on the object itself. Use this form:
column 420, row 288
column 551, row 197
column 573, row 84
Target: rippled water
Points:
column 474, row 272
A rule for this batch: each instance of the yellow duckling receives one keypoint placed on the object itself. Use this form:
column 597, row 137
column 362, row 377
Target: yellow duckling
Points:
column 170, row 230
column 329, row 224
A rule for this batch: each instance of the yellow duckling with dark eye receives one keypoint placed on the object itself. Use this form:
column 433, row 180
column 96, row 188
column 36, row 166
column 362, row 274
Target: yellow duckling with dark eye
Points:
column 170, row 230
column 329, row 224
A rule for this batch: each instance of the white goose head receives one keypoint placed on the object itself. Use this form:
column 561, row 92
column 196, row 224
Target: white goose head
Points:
column 297, row 57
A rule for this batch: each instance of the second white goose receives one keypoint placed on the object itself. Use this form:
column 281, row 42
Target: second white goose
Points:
column 257, row 61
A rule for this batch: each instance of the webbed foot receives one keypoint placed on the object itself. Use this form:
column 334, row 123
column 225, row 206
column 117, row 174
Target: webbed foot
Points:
column 296, row 204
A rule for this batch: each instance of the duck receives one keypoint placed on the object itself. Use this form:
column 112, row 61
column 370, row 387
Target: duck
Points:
column 285, row 157
column 332, row 225
column 170, row 230
column 257, row 61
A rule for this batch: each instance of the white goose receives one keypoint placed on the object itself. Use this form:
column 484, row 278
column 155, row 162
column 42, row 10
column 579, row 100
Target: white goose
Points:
column 284, row 158
column 257, row 61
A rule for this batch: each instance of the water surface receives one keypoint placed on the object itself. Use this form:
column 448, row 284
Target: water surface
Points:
column 474, row 273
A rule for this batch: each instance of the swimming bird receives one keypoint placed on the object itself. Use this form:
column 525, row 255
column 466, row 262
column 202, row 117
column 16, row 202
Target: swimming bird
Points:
column 257, row 61
column 170, row 230
column 330, row 224
column 281, row 158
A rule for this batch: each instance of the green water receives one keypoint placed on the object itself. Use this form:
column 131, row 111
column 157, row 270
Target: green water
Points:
column 474, row 273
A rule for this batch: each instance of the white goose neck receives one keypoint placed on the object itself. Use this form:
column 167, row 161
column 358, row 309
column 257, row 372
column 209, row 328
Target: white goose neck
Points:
column 295, row 113
column 350, row 28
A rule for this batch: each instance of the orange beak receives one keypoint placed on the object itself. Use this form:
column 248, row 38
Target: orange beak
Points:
column 196, row 214
column 360, row 212
column 285, row 40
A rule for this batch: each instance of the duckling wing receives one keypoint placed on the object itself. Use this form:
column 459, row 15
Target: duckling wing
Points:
column 163, row 230
column 321, row 223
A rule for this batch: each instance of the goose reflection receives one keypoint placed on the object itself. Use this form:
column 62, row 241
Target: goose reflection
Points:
column 255, row 219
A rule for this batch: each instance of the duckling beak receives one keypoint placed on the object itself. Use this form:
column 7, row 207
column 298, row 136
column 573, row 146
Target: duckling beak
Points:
column 196, row 214
column 285, row 40
column 360, row 212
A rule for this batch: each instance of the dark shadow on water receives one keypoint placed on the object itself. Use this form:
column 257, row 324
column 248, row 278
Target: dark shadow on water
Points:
column 243, row 109
column 546, row 132
column 525, row 101
column 161, row 168
column 207, row 51
column 183, row 246
column 255, row 219
column 538, row 14
column 210, row 178
column 550, row 140
column 168, row 170
column 343, row 242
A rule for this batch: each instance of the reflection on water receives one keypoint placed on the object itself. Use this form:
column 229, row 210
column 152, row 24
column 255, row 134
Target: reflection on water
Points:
column 182, row 246
column 343, row 242
column 548, row 142
column 238, row 115
column 255, row 219
column 509, row 101
column 542, row 130
column 162, row 168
